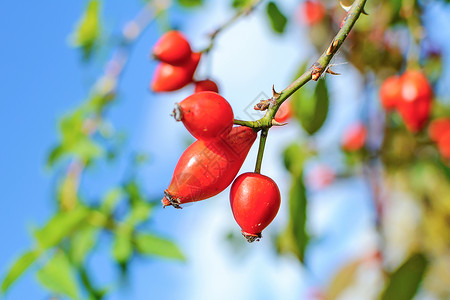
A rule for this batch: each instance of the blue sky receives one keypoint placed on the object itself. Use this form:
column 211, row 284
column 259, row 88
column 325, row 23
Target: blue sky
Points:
column 41, row 78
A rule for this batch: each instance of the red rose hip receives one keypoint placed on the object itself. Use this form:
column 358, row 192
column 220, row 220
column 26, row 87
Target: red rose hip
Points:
column 208, row 167
column 390, row 92
column 206, row 115
column 206, row 85
column 172, row 48
column 354, row 137
column 255, row 200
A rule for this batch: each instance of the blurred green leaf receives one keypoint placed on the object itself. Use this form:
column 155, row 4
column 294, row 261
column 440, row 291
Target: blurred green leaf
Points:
column 140, row 212
column 311, row 108
column 276, row 17
column 88, row 29
column 295, row 238
column 404, row 282
column 82, row 242
column 342, row 280
column 60, row 226
column 122, row 248
column 111, row 199
column 57, row 276
column 190, row 3
column 19, row 266
column 55, row 154
column 153, row 245
column 294, row 157
column 241, row 3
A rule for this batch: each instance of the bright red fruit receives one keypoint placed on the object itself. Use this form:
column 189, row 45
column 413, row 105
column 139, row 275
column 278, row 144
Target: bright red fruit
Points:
column 320, row 177
column 444, row 145
column 354, row 137
column 311, row 12
column 284, row 112
column 415, row 102
column 208, row 167
column 390, row 92
column 255, row 200
column 172, row 48
column 438, row 128
column 206, row 115
column 170, row 78
column 206, row 85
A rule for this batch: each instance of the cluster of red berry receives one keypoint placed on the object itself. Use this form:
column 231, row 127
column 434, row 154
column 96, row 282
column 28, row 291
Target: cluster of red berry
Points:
column 211, row 163
column 439, row 132
column 177, row 65
column 411, row 95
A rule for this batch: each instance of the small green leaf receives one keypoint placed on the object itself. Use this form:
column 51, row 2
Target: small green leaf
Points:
column 241, row 3
column 139, row 213
column 294, row 157
column 82, row 242
column 311, row 108
column 111, row 199
column 150, row 244
column 190, row 3
column 19, row 266
column 57, row 276
column 60, row 226
column 276, row 17
column 405, row 281
column 122, row 248
column 88, row 29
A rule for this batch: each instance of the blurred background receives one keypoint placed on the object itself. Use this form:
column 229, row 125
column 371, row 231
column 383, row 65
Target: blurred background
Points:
column 88, row 149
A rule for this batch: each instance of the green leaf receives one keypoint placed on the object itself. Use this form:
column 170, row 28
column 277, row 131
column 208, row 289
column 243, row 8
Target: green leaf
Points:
column 150, row 244
column 311, row 108
column 122, row 248
column 294, row 157
column 111, row 199
column 57, row 276
column 88, row 29
column 19, row 266
column 343, row 279
column 241, row 3
column 140, row 212
column 295, row 238
column 276, row 17
column 405, row 281
column 190, row 3
column 82, row 242
column 60, row 226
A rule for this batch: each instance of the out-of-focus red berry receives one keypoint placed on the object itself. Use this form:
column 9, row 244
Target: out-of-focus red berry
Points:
column 206, row 85
column 415, row 101
column 311, row 12
column 438, row 128
column 444, row 145
column 172, row 48
column 320, row 177
column 284, row 113
column 354, row 137
column 390, row 92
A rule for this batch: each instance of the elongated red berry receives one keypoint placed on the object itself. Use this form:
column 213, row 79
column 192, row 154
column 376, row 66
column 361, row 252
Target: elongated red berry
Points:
column 208, row 167
column 311, row 12
column 444, row 145
column 169, row 78
column 416, row 98
column 354, row 137
column 206, row 115
column 172, row 48
column 255, row 200
column 206, row 85
column 390, row 92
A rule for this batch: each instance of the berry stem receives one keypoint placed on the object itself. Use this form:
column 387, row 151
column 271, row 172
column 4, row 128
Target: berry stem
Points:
column 262, row 144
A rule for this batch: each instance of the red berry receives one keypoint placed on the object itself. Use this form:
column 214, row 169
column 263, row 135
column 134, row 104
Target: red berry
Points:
column 444, row 145
column 206, row 115
column 255, row 200
column 311, row 12
column 172, row 48
column 320, row 177
column 354, row 137
column 206, row 85
column 438, row 128
column 415, row 101
column 390, row 92
column 208, row 167
column 284, row 113
column 171, row 78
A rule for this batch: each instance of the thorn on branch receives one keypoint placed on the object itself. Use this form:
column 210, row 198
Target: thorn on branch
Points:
column 276, row 95
column 329, row 71
column 317, row 70
column 276, row 123
column 345, row 7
